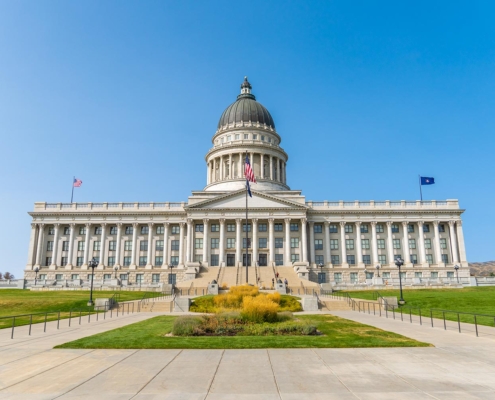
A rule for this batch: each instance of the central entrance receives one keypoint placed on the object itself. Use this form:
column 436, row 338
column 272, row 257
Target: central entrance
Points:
column 244, row 260
column 230, row 260
column 262, row 260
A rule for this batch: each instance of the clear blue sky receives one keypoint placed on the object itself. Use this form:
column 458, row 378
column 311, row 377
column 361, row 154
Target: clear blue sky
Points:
column 126, row 95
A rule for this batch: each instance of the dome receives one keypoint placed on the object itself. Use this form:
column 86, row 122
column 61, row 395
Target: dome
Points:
column 246, row 109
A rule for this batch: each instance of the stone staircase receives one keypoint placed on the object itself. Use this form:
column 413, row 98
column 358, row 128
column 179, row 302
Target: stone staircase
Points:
column 297, row 285
column 334, row 305
column 165, row 305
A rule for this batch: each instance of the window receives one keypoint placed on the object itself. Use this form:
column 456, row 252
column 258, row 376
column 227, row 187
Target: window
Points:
column 230, row 243
column 445, row 258
column 48, row 261
column 79, row 261
column 160, row 230
column 174, row 260
column 349, row 244
column 67, row 230
column 255, row 137
column 334, row 244
column 155, row 278
column 158, row 261
column 443, row 243
column 112, row 245
column 414, row 258
column 175, row 229
column 279, row 228
column 96, row 245
column 418, row 274
column 450, row 274
column 386, row 275
column 111, row 261
column 98, row 230
column 429, row 258
column 294, row 243
column 244, row 243
column 80, row 245
column 335, row 259
column 364, row 228
column 427, row 243
column 294, row 227
column 139, row 278
column 143, row 245
column 65, row 246
column 159, row 245
column 143, row 260
column 237, row 137
column 248, row 227
column 198, row 243
column 230, row 227
column 380, row 243
column 349, row 228
column 128, row 230
column 64, row 261
column 127, row 245
column 403, row 275
column 144, row 230
column 262, row 243
column 214, row 260
column 228, row 138
column 107, row 277
column 379, row 228
column 410, row 228
column 396, row 243
column 174, row 245
column 367, row 259
column 59, row 277
column 215, row 243
column 365, row 244
column 354, row 277
column 113, row 230
column 441, row 227
column 318, row 228
column 246, row 136
column 51, row 231
column 294, row 258
column 382, row 259
column 434, row 275
column 262, row 227
column 337, row 277
column 263, row 137
column 127, row 261
column 279, row 243
column 318, row 244
column 426, row 228
column 215, row 228
column 333, row 229
column 395, row 228
column 74, row 277
column 279, row 259
column 49, row 246
column 351, row 260
column 412, row 243
column 319, row 259
column 199, row 227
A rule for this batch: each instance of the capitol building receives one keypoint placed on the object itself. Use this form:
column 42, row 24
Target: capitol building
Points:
column 341, row 243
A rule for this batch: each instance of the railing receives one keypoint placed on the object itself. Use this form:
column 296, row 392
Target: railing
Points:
column 106, row 206
column 451, row 204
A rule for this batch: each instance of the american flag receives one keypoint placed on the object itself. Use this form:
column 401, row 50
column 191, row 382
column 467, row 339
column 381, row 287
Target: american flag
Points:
column 248, row 171
column 77, row 182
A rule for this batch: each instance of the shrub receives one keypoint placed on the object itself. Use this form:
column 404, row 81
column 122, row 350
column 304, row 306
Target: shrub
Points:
column 233, row 299
column 289, row 303
column 275, row 297
column 259, row 309
column 203, row 304
column 186, row 325
column 224, row 286
column 284, row 316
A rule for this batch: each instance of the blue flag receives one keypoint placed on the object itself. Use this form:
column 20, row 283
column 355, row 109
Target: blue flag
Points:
column 427, row 181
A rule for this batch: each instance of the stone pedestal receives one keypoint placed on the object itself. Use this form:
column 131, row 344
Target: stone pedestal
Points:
column 280, row 287
column 182, row 304
column 213, row 288
column 378, row 281
column 391, row 302
column 310, row 303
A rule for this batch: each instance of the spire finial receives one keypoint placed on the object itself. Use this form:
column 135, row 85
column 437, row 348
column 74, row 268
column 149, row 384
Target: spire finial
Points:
column 246, row 86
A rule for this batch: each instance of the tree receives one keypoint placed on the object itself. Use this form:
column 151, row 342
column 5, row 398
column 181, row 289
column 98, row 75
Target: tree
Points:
column 8, row 276
column 1, row 276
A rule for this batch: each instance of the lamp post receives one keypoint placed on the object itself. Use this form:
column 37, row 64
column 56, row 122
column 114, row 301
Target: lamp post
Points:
column 378, row 270
column 320, row 265
column 400, row 262
column 36, row 276
column 456, row 267
column 92, row 264
column 115, row 269
column 171, row 266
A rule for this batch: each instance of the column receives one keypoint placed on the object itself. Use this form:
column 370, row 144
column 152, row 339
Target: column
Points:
column 41, row 234
column 238, row 240
column 374, row 244
column 251, row 160
column 453, row 241
column 32, row 248
column 101, row 264
column 241, row 171
column 271, row 168
column 312, row 242
column 119, row 244
column 135, row 226
column 438, row 251
column 86, row 246
column 328, row 258
column 284, row 178
column 55, row 247
column 422, row 252
column 262, row 162
column 254, row 241
column 390, row 244
column 271, row 241
column 214, row 177
column 166, row 261
column 221, row 168
column 405, row 239
column 304, row 240
column 189, row 239
column 181, row 243
column 208, row 173
column 359, row 248
column 205, row 240
column 149, row 264
column 231, row 175
column 460, row 241
column 279, row 169
column 222, row 242
column 342, row 243
column 287, row 241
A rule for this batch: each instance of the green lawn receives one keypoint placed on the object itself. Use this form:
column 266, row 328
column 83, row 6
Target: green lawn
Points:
column 337, row 333
column 16, row 302
column 479, row 300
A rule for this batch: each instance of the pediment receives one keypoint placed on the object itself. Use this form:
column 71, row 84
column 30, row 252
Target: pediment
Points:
column 237, row 200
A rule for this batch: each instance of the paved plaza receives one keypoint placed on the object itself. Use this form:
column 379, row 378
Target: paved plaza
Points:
column 460, row 366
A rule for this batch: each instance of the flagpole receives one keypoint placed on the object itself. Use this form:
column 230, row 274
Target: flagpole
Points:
column 72, row 195
column 420, row 191
column 247, row 244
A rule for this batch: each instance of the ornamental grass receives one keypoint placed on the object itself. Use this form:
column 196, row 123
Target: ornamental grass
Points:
column 259, row 309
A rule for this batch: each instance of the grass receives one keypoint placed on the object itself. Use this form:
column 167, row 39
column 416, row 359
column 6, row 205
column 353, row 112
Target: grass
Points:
column 17, row 302
column 478, row 300
column 336, row 333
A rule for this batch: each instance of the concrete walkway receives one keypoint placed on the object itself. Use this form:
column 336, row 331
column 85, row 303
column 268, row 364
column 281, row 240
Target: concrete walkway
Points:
column 460, row 367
